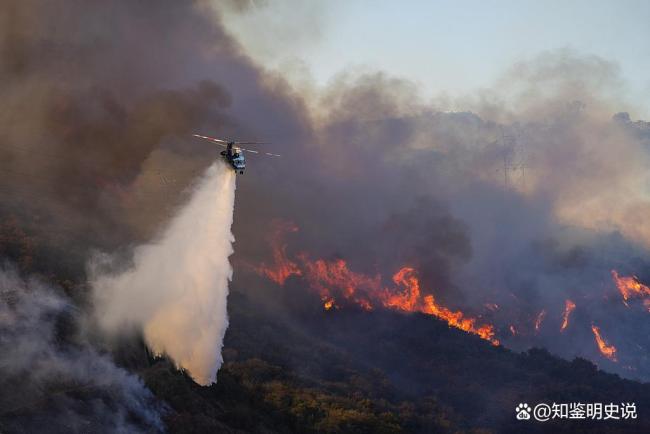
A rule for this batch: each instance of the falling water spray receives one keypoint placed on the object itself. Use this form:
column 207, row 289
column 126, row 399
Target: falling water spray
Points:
column 176, row 289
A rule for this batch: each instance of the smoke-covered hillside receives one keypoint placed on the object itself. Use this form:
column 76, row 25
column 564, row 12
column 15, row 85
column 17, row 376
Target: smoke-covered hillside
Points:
column 357, row 371
column 387, row 271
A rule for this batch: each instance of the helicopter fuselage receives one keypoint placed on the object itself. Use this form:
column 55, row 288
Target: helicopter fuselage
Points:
column 234, row 156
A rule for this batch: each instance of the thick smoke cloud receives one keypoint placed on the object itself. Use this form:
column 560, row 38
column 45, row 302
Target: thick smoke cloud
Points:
column 523, row 196
column 52, row 379
column 95, row 116
column 527, row 200
column 90, row 90
column 99, row 102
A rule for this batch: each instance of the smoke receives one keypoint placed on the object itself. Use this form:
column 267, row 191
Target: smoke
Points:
column 84, row 107
column 524, row 195
column 527, row 198
column 176, row 290
column 52, row 379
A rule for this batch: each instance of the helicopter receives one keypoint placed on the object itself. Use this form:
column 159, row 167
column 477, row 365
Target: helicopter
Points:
column 234, row 154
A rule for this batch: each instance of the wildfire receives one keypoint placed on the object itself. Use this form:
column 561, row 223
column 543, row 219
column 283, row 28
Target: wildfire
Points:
column 336, row 284
column 284, row 267
column 630, row 287
column 540, row 318
column 411, row 300
column 328, row 276
column 328, row 303
column 568, row 308
column 606, row 350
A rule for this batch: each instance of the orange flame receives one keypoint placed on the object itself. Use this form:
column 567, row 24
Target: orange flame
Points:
column 630, row 287
column 326, row 276
column 334, row 282
column 407, row 300
column 411, row 300
column 568, row 308
column 283, row 267
column 606, row 350
column 539, row 319
column 328, row 303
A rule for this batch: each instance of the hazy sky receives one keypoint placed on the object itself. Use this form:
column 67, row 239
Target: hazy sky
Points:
column 447, row 46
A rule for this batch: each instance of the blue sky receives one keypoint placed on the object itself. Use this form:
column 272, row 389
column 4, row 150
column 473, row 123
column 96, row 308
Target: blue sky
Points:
column 448, row 46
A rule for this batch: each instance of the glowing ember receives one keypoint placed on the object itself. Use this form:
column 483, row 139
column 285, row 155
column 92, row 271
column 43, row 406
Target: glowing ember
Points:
column 568, row 308
column 539, row 319
column 630, row 287
column 606, row 350
column 328, row 303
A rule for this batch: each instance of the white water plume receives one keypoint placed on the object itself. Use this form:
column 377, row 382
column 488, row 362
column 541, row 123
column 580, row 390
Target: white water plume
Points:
column 176, row 290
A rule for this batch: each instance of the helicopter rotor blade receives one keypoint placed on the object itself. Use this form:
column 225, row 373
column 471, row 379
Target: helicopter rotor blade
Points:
column 258, row 152
column 212, row 139
column 224, row 143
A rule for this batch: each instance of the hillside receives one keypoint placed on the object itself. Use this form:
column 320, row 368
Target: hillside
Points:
column 376, row 372
column 290, row 366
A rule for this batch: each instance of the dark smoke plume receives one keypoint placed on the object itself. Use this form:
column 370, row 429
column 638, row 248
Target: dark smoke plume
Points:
column 525, row 198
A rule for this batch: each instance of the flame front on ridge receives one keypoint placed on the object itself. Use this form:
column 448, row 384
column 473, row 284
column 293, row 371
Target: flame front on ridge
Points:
column 606, row 350
column 338, row 285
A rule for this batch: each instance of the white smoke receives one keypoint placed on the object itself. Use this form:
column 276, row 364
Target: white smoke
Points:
column 52, row 379
column 176, row 290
